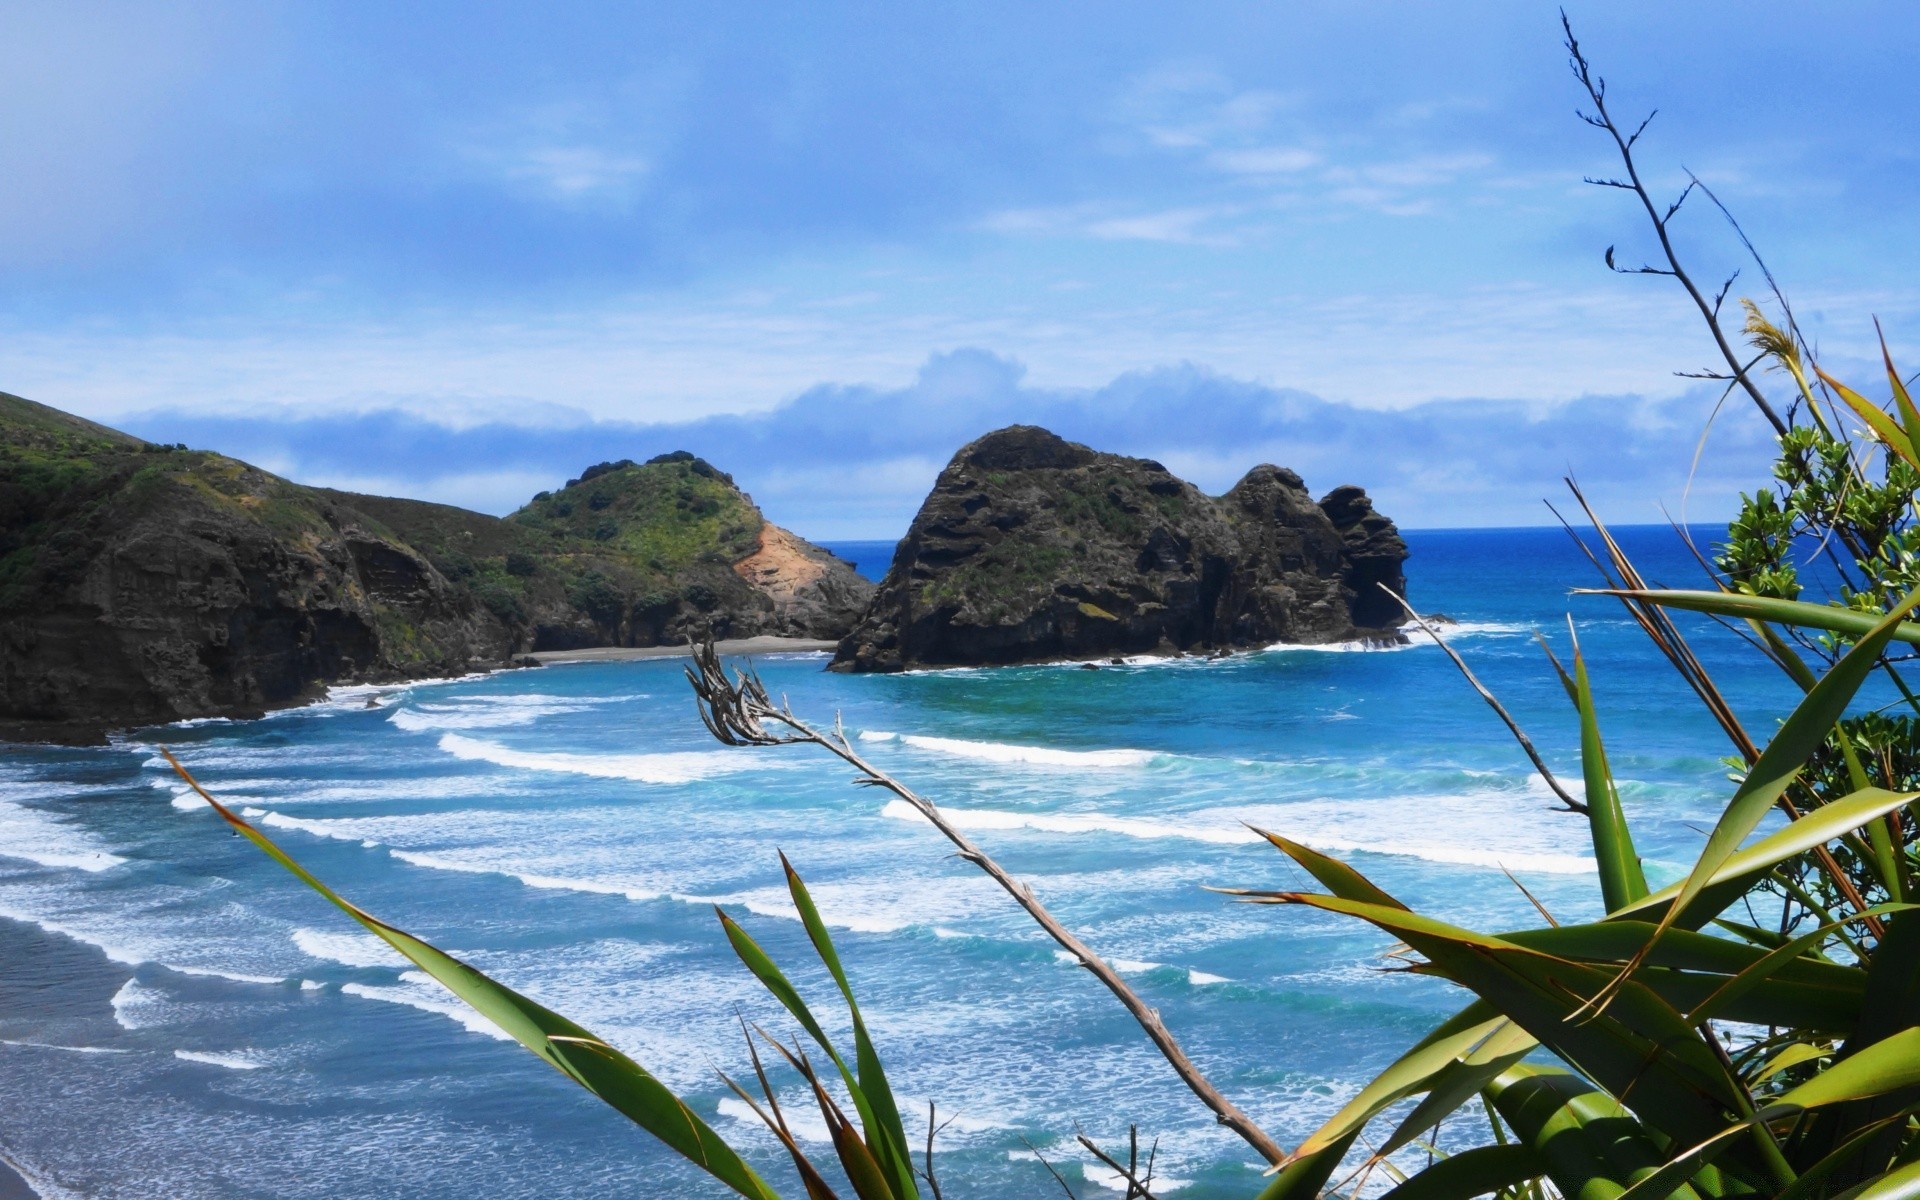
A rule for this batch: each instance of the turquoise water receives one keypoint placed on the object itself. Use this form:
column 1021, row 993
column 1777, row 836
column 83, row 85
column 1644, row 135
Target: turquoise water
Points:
column 180, row 1018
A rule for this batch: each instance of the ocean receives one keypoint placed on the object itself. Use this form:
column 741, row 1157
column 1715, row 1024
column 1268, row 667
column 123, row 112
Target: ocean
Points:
column 180, row 1018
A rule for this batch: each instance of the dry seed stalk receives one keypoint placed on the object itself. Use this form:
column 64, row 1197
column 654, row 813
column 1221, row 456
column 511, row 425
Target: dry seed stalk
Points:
column 739, row 712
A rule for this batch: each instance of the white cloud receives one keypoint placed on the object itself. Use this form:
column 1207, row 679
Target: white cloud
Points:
column 574, row 172
column 1264, row 160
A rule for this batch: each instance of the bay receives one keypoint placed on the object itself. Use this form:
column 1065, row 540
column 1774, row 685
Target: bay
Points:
column 180, row 1018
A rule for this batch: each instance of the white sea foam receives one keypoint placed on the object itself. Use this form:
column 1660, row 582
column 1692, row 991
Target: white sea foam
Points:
column 1202, row 978
column 418, row 990
column 68, row 1049
column 1107, row 1177
column 52, row 840
column 669, row 767
column 137, row 1006
column 349, row 949
column 482, row 712
column 440, row 862
column 802, row 1119
column 1317, row 824
column 1334, row 648
column 1002, row 752
column 1140, row 827
column 232, row 1062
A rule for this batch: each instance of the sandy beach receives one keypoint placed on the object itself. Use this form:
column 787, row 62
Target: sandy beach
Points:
column 752, row 645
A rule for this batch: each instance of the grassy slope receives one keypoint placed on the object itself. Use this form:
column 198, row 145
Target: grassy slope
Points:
column 632, row 533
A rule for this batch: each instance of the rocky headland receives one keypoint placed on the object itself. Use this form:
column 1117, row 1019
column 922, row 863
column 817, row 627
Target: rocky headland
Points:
column 1031, row 548
column 143, row 583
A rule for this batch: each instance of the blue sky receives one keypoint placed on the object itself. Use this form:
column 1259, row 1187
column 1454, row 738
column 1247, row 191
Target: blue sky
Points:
column 460, row 251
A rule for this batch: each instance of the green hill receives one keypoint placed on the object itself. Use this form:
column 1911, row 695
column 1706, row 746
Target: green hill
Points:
column 141, row 582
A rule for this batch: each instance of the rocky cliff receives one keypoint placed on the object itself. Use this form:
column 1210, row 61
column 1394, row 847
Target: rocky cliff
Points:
column 142, row 583
column 634, row 554
column 1031, row 548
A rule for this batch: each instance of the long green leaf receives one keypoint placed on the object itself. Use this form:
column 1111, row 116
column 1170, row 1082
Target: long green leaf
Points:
column 1903, row 1184
column 1640, row 1048
column 1765, row 608
column 1337, row 877
column 1803, row 733
column 887, row 1136
column 1621, row 879
column 1741, row 870
column 1783, row 959
column 775, row 981
column 1471, row 1173
column 1883, row 426
column 1592, row 1148
column 1888, row 1065
column 1462, row 1081
column 575, row 1052
column 1412, row 1072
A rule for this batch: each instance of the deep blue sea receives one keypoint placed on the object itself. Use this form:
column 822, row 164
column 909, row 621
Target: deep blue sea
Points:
column 180, row 1018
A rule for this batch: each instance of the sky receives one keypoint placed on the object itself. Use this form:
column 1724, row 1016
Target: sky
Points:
column 461, row 251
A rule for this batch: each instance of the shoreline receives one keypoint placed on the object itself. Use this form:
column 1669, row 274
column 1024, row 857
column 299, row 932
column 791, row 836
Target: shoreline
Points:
column 752, row 645
column 21, row 733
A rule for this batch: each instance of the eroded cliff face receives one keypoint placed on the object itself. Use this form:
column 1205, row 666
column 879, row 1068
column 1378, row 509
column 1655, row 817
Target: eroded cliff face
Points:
column 1031, row 548
column 635, row 554
column 142, row 584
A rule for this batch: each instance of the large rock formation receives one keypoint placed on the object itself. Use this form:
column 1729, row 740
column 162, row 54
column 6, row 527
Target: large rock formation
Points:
column 1031, row 548
column 634, row 554
column 142, row 583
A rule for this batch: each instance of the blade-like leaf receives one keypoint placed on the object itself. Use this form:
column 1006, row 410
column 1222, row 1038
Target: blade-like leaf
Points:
column 886, row 1135
column 1901, row 1184
column 1337, row 877
column 776, row 982
column 1765, row 608
column 576, row 1052
column 1591, row 1147
column 1783, row 959
column 1621, row 879
column 1887, row 1065
column 1640, row 1048
column 1741, row 870
column 1803, row 733
column 1884, row 427
column 1472, row 1173
column 1461, row 1082
column 1902, row 401
column 1413, row 1072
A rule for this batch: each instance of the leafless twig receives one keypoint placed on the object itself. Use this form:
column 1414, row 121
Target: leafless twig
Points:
column 739, row 712
column 1600, row 118
column 1049, row 1166
column 1493, row 702
column 1138, row 1182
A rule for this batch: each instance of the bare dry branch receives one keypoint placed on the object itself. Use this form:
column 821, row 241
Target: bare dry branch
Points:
column 1493, row 702
column 739, row 712
column 1138, row 1182
column 1600, row 118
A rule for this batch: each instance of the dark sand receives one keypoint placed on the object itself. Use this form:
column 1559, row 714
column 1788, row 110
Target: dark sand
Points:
column 753, row 645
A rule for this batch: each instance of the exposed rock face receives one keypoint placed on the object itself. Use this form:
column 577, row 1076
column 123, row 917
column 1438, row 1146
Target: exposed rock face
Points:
column 635, row 554
column 142, row 583
column 1031, row 548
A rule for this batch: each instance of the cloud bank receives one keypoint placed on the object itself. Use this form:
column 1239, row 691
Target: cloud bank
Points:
column 853, row 461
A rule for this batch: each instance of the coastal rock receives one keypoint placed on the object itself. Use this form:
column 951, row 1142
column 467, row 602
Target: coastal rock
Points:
column 143, row 583
column 635, row 554
column 1031, row 548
